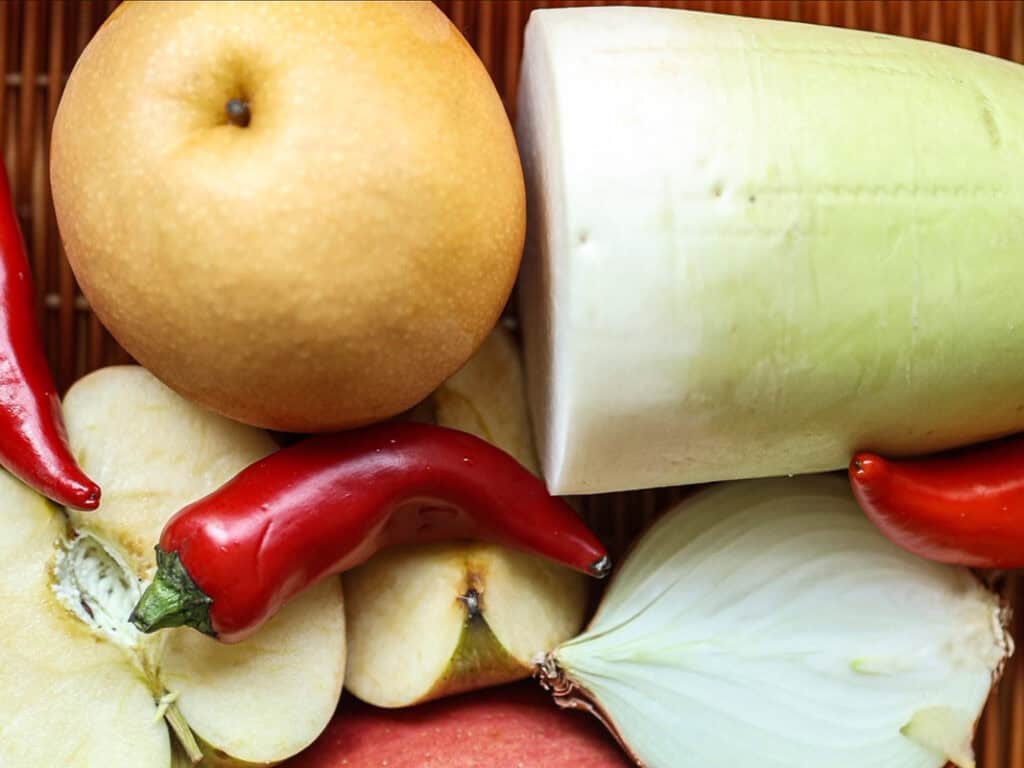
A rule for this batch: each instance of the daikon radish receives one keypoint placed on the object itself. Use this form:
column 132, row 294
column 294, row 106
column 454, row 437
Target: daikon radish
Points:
column 757, row 246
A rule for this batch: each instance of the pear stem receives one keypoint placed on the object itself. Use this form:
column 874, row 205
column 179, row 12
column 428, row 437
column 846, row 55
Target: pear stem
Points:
column 238, row 112
column 173, row 599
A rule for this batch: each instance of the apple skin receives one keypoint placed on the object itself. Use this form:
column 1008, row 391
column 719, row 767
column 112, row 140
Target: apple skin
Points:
column 514, row 725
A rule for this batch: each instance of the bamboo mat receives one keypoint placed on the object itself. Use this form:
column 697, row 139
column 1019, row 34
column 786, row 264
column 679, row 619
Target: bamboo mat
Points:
column 39, row 42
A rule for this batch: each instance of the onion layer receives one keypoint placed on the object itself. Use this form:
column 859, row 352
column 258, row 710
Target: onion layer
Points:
column 768, row 623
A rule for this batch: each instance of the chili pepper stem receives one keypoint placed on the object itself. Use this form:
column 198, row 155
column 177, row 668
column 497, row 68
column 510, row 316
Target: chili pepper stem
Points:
column 172, row 599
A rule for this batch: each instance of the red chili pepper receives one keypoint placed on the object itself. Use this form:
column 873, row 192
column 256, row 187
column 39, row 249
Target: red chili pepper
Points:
column 33, row 443
column 229, row 561
column 964, row 507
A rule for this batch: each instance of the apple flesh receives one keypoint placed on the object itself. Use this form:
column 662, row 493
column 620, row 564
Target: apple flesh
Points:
column 65, row 699
column 512, row 725
column 487, row 398
column 432, row 620
column 154, row 452
column 78, row 684
column 427, row 621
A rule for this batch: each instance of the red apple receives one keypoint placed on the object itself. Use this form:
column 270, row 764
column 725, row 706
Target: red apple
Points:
column 506, row 727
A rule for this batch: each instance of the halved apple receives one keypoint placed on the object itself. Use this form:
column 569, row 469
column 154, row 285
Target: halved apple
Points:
column 487, row 398
column 431, row 620
column 78, row 685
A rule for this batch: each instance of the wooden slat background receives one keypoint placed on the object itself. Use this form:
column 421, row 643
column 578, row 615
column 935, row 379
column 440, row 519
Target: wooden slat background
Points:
column 39, row 42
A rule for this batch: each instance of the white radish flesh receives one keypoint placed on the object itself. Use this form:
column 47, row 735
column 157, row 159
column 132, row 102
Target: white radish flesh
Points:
column 757, row 246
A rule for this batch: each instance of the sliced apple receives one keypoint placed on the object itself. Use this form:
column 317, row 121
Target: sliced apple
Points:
column 78, row 685
column 432, row 620
column 265, row 699
column 487, row 398
column 152, row 451
column 65, row 699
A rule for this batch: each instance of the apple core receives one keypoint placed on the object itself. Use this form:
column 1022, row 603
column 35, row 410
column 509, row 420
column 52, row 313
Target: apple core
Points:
column 95, row 586
column 98, row 588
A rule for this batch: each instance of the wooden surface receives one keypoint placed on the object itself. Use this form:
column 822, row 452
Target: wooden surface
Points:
column 39, row 42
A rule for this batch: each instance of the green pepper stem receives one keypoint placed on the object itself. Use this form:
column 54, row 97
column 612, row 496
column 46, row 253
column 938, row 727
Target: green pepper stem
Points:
column 173, row 599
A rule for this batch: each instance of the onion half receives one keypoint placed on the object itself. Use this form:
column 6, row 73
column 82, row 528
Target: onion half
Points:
column 768, row 623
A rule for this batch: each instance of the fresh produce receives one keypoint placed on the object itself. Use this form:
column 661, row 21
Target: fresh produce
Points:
column 229, row 561
column 79, row 687
column 964, row 507
column 487, row 398
column 433, row 620
column 457, row 616
column 768, row 623
column 757, row 247
column 33, row 443
column 304, row 216
column 500, row 728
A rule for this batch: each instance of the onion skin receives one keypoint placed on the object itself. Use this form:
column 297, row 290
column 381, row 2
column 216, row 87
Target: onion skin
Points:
column 570, row 695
